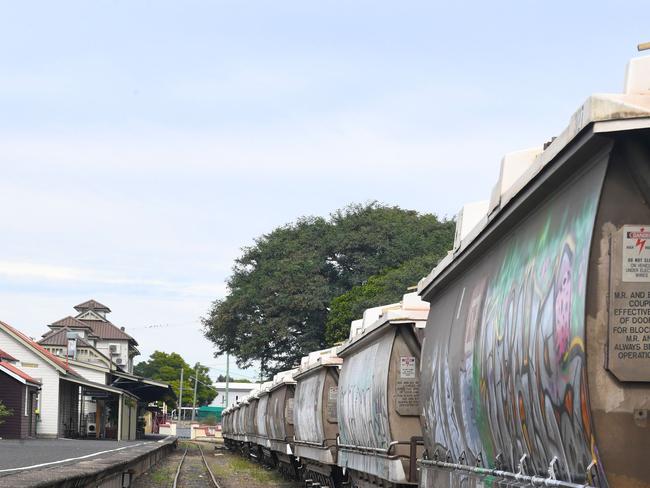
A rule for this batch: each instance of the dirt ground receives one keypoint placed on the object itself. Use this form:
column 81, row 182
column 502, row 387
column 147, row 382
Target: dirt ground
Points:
column 230, row 470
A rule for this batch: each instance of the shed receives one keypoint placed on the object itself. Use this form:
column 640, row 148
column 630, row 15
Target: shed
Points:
column 206, row 412
column 18, row 392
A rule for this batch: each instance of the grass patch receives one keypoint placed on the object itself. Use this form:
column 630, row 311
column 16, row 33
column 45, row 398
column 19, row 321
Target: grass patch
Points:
column 162, row 475
column 237, row 467
column 255, row 471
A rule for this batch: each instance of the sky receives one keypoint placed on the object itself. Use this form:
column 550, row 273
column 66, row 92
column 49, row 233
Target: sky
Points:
column 143, row 144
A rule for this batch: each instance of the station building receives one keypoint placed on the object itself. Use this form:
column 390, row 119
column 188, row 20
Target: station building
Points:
column 83, row 366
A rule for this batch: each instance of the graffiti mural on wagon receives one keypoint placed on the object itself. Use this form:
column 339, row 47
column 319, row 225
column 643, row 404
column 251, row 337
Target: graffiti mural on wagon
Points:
column 521, row 387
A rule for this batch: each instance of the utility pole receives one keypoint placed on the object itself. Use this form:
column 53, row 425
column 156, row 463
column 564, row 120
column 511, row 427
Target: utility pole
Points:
column 196, row 382
column 227, row 377
column 180, row 398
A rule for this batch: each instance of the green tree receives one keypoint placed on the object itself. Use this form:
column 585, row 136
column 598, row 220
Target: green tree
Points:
column 281, row 288
column 4, row 412
column 382, row 289
column 167, row 368
column 373, row 238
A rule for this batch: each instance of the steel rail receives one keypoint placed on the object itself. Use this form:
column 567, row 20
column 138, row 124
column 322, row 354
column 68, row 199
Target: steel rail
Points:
column 205, row 463
column 178, row 470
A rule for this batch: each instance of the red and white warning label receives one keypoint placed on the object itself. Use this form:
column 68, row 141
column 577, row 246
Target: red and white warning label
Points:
column 636, row 253
column 407, row 367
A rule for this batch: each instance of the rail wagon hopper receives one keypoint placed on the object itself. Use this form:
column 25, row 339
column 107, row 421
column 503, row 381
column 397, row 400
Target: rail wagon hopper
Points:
column 262, row 450
column 315, row 418
column 229, row 429
column 239, row 434
column 226, row 427
column 279, row 425
column 536, row 358
column 250, row 447
column 236, row 432
column 378, row 407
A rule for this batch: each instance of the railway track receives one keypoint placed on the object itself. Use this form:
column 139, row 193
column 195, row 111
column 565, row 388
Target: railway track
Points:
column 188, row 477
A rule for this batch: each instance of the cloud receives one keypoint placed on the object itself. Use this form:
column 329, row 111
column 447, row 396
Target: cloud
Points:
column 28, row 271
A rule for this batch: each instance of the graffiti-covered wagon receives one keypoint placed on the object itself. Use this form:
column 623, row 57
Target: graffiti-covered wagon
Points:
column 536, row 362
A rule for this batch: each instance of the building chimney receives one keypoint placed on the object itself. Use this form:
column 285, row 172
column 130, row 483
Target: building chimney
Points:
column 122, row 328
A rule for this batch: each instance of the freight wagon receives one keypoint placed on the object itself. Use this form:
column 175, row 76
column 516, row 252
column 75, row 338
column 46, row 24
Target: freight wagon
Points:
column 531, row 366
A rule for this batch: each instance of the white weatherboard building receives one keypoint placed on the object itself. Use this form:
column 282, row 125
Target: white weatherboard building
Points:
column 83, row 365
column 58, row 400
column 236, row 392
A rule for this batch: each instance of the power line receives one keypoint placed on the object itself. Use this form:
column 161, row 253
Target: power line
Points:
column 205, row 384
column 163, row 326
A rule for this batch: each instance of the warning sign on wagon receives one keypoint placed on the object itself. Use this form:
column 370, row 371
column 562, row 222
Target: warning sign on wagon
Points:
column 628, row 344
column 407, row 367
column 636, row 253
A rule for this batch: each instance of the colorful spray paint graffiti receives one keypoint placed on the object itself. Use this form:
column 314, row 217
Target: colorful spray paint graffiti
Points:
column 362, row 407
column 513, row 328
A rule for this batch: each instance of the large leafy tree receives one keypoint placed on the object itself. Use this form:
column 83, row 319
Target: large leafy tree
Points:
column 281, row 288
column 167, row 368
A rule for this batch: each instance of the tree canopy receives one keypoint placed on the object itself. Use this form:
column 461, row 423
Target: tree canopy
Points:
column 167, row 368
column 282, row 287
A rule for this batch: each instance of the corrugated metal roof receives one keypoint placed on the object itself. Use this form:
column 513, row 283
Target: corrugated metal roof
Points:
column 60, row 338
column 107, row 330
column 70, row 322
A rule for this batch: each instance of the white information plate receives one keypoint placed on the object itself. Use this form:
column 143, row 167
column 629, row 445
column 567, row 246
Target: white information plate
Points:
column 407, row 367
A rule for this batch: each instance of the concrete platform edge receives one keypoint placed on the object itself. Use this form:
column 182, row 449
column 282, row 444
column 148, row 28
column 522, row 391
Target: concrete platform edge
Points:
column 101, row 472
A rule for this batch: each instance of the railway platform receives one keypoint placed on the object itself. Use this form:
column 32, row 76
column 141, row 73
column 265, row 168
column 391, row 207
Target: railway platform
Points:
column 66, row 463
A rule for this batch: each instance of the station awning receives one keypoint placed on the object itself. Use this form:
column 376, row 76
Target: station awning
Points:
column 91, row 385
column 144, row 388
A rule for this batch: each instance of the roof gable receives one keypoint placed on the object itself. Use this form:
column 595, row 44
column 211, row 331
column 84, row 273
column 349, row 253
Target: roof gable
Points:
column 91, row 305
column 90, row 315
column 38, row 349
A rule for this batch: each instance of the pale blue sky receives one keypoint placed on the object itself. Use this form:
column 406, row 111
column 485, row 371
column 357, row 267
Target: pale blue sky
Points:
column 143, row 143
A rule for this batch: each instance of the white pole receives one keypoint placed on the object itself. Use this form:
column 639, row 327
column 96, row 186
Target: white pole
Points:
column 180, row 398
column 120, row 399
column 227, row 377
column 196, row 381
